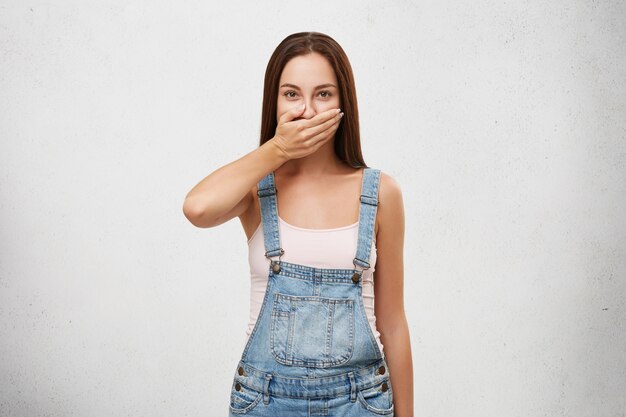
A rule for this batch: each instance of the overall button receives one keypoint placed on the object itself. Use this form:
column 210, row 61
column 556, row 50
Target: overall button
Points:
column 355, row 277
column 240, row 371
column 238, row 386
column 384, row 387
column 381, row 370
column 276, row 268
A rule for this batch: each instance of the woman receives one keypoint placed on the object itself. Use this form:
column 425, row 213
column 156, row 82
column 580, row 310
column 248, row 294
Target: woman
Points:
column 315, row 344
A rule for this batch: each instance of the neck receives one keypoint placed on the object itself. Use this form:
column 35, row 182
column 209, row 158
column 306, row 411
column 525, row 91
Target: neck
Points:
column 323, row 161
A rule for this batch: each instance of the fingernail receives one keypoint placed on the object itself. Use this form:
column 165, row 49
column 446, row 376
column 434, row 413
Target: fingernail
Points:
column 341, row 114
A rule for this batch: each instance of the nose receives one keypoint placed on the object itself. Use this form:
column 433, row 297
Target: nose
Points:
column 309, row 111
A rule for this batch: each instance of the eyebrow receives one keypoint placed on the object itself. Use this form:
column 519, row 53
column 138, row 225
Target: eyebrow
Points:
column 317, row 88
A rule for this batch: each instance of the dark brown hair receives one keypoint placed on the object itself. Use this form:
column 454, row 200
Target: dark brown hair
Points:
column 347, row 136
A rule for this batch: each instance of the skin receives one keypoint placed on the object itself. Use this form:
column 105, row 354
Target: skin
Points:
column 313, row 184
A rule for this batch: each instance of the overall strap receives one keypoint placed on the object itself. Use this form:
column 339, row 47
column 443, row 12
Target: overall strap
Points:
column 269, row 217
column 367, row 216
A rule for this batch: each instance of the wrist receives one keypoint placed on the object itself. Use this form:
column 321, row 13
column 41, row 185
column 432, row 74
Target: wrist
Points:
column 278, row 153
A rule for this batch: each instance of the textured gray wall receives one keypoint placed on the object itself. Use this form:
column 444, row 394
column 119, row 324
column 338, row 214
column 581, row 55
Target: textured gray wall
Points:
column 504, row 123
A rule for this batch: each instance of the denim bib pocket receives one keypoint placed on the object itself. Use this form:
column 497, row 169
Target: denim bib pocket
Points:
column 312, row 330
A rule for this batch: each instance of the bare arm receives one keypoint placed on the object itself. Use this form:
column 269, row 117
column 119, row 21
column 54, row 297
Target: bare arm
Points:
column 389, row 295
column 227, row 191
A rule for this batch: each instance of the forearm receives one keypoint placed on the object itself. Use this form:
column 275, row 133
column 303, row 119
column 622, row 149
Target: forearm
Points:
column 221, row 190
column 397, row 345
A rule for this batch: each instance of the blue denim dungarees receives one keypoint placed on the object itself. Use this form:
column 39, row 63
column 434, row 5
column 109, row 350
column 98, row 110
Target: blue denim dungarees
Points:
column 312, row 351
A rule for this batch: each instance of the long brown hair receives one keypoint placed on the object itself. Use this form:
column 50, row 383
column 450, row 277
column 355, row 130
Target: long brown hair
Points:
column 347, row 136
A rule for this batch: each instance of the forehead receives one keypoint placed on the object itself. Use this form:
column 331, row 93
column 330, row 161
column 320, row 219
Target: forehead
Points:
column 310, row 69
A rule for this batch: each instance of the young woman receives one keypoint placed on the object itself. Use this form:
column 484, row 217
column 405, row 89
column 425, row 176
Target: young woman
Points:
column 322, row 229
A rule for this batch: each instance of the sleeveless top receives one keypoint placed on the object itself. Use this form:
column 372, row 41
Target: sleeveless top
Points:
column 319, row 248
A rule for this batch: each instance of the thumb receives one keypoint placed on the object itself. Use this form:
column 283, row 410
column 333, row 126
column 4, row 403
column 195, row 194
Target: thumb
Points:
column 291, row 114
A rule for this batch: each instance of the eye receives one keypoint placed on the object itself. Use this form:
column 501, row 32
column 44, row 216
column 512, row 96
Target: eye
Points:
column 286, row 93
column 326, row 94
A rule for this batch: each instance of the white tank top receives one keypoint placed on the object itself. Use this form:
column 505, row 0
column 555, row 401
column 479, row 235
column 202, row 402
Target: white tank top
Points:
column 319, row 248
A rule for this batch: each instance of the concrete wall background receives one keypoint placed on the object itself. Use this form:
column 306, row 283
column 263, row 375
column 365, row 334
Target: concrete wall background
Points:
column 504, row 123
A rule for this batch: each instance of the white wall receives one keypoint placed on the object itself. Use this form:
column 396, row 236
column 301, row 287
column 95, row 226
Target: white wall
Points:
column 504, row 123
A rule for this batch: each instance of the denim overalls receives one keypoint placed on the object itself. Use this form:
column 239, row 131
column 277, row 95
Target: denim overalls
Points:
column 312, row 351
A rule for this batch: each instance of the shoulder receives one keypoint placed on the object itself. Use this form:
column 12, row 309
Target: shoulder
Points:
column 390, row 203
column 389, row 190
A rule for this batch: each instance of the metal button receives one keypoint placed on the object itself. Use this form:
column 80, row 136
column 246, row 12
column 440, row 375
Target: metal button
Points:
column 276, row 268
column 240, row 370
column 384, row 387
column 381, row 370
column 238, row 386
column 356, row 277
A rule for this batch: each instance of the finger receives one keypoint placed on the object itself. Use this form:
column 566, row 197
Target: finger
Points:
column 291, row 114
column 312, row 131
column 321, row 118
column 324, row 135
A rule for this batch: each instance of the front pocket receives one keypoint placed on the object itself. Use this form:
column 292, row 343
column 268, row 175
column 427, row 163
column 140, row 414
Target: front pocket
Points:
column 311, row 330
column 244, row 399
column 378, row 399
